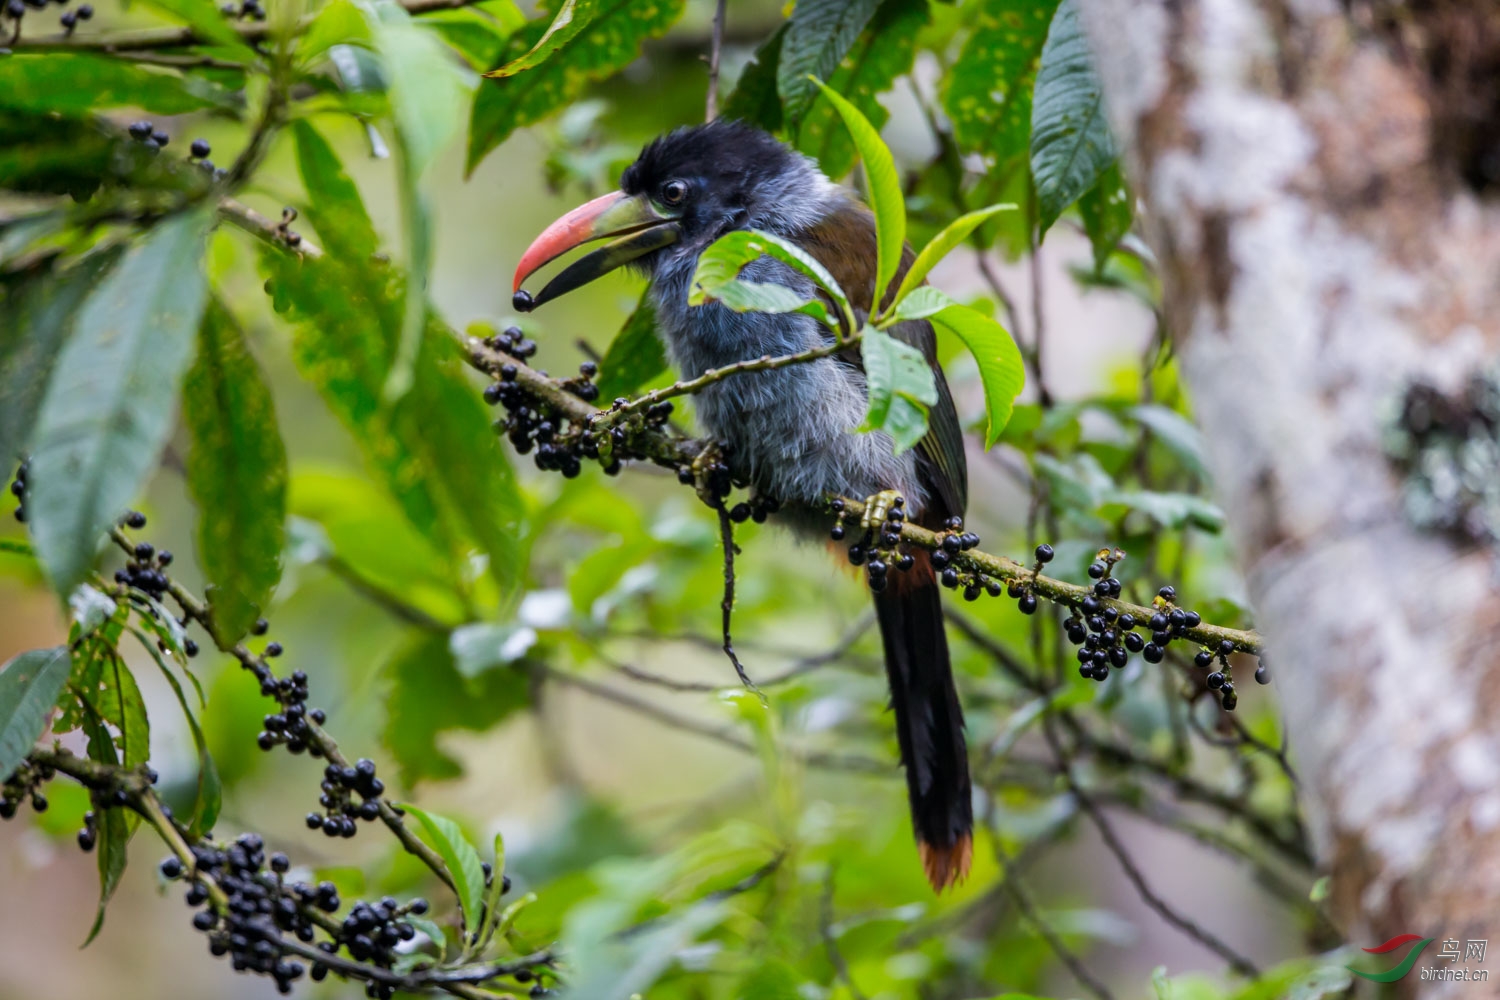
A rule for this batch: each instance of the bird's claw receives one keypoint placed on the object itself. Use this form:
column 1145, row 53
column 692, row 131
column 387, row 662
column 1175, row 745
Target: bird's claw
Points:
column 878, row 509
column 711, row 476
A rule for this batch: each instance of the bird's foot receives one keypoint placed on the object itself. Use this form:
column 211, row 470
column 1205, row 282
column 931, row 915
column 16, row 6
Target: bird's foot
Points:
column 878, row 509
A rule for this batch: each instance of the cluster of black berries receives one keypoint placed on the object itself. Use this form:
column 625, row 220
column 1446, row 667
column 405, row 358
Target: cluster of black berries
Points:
column 154, row 139
column 16, row 9
column 18, row 490
column 249, row 10
column 24, row 784
column 370, row 934
column 531, row 424
column 339, row 786
column 955, row 541
column 259, row 911
column 1106, row 636
column 757, row 509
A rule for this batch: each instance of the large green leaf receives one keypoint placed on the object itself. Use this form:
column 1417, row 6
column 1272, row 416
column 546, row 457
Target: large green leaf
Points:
column 989, row 88
column 900, row 385
column 427, row 92
column 108, row 408
column 1107, row 210
column 754, row 99
column 635, row 357
column 819, row 35
column 609, row 43
column 108, row 689
column 883, row 52
column 480, row 33
column 426, row 696
column 434, row 449
column 461, row 859
column 724, row 259
column 1001, row 370
column 29, row 686
column 70, row 83
column 236, row 472
column 943, row 244
column 571, row 18
column 36, row 314
column 883, row 185
column 115, row 827
column 1071, row 145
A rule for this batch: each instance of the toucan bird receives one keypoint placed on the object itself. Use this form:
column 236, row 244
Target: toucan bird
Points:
column 791, row 432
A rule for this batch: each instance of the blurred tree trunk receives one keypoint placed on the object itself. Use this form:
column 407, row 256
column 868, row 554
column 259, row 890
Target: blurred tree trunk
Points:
column 1321, row 183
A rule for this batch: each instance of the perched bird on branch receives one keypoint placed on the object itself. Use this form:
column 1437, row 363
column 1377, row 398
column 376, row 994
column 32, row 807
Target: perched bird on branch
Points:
column 791, row 432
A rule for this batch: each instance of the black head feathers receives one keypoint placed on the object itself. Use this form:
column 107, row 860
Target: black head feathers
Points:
column 726, row 155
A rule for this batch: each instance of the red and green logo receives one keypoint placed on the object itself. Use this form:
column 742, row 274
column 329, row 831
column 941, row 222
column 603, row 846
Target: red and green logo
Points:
column 1393, row 944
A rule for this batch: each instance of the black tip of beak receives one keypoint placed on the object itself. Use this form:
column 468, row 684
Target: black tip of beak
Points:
column 521, row 301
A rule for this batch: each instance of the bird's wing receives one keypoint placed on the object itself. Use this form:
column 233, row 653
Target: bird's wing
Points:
column 844, row 243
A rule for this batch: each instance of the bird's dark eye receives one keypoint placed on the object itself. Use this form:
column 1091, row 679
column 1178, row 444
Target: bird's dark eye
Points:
column 673, row 192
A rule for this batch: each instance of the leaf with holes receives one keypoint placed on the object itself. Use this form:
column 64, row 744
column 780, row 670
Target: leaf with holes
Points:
column 818, row 36
column 1071, row 145
column 571, row 18
column 236, row 472
column 989, row 89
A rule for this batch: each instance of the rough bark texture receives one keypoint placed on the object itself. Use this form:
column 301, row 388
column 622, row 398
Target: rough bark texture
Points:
column 1320, row 186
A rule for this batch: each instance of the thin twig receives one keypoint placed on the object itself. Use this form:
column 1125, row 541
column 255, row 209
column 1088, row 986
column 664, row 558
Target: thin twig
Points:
column 1038, row 307
column 1011, row 885
column 712, row 110
column 803, row 665
column 1116, row 846
column 726, row 536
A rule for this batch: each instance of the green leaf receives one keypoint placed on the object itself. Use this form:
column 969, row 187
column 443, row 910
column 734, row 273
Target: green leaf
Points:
column 91, row 608
column 571, row 18
column 988, row 97
column 426, row 695
column 883, row 52
column 461, row 859
column 610, row 42
column 479, row 33
column 1107, row 210
column 36, row 316
column 818, row 36
column 492, row 894
column 236, row 472
column 115, row 828
column 1071, row 145
column 920, row 304
column 755, row 296
column 108, row 408
column 883, row 185
column 1170, row 510
column 209, row 794
column 29, row 687
column 1176, row 433
column 943, row 244
column 1001, row 369
column 208, row 22
column 108, row 689
column 483, row 646
column 754, row 99
column 724, row 259
column 427, row 92
column 434, row 449
column 900, row 385
column 635, row 357
column 71, row 83
column 338, row 22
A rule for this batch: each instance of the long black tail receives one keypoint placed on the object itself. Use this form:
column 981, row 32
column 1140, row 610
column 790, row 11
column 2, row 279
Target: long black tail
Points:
column 929, row 723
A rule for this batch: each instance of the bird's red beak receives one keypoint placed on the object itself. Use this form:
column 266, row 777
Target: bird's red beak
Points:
column 638, row 225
